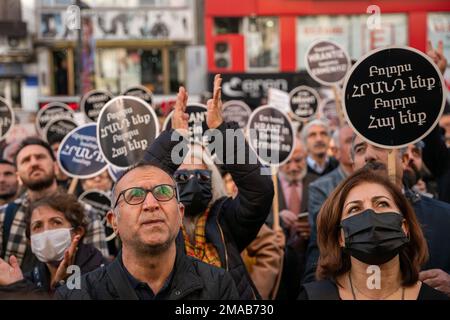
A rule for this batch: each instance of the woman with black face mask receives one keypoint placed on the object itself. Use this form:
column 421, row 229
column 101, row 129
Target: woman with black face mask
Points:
column 371, row 245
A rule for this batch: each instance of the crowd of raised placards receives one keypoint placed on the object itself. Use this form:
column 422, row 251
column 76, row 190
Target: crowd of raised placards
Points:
column 224, row 203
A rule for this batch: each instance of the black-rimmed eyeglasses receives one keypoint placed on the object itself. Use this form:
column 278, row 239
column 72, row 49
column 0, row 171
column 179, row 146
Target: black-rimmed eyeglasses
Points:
column 137, row 195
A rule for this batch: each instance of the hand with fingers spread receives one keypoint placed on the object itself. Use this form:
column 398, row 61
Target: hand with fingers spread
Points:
column 10, row 273
column 437, row 279
column 437, row 55
column 214, row 114
column 69, row 258
column 180, row 117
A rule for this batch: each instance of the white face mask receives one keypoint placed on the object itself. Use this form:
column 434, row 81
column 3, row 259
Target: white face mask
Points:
column 51, row 245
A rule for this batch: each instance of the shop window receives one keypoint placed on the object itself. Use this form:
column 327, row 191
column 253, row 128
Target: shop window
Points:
column 152, row 70
column 227, row 25
column 262, row 43
column 61, row 73
column 10, row 89
column 176, row 70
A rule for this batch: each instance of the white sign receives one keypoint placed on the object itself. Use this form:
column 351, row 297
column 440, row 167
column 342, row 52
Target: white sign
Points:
column 279, row 99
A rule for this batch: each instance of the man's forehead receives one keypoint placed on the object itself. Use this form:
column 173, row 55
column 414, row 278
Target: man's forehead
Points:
column 32, row 149
column 7, row 167
column 143, row 175
column 317, row 128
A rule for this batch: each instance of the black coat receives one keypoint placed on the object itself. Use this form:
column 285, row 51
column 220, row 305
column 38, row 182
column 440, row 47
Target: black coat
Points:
column 192, row 280
column 232, row 223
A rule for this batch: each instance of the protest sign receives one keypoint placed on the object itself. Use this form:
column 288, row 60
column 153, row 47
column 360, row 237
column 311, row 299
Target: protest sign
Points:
column 92, row 103
column 52, row 111
column 6, row 118
column 304, row 102
column 394, row 96
column 327, row 62
column 79, row 155
column 237, row 111
column 140, row 92
column 57, row 129
column 270, row 135
column 126, row 127
column 197, row 122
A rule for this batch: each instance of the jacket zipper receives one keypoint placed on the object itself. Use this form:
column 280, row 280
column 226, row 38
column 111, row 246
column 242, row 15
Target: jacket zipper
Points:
column 225, row 246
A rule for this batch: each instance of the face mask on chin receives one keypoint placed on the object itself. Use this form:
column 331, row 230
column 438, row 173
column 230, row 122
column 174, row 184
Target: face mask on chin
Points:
column 374, row 238
column 50, row 245
column 195, row 196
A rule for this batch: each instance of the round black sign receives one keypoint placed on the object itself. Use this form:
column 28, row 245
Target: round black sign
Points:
column 394, row 96
column 92, row 103
column 57, row 129
column 197, row 122
column 98, row 200
column 237, row 111
column 51, row 111
column 304, row 102
column 140, row 92
column 326, row 62
column 126, row 127
column 79, row 155
column 270, row 135
column 6, row 118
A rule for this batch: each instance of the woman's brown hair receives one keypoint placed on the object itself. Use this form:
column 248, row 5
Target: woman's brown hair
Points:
column 65, row 203
column 333, row 261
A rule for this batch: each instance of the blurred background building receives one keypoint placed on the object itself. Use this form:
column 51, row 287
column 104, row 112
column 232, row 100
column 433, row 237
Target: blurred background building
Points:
column 262, row 43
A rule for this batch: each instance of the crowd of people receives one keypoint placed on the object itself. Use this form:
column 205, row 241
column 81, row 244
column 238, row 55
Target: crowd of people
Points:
column 199, row 229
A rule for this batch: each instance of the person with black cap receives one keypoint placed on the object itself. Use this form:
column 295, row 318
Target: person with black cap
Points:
column 216, row 228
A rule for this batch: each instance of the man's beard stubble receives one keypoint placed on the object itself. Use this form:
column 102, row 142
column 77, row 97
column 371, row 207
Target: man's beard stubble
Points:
column 41, row 184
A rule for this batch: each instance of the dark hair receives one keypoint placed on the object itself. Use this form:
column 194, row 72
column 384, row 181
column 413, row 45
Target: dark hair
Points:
column 30, row 141
column 4, row 161
column 65, row 203
column 333, row 261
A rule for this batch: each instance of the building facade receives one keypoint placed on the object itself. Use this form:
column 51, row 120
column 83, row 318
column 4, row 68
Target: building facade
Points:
column 259, row 44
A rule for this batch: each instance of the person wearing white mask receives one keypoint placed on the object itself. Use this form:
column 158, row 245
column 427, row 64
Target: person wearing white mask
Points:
column 55, row 226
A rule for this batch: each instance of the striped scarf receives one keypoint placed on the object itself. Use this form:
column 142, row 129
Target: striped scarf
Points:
column 201, row 250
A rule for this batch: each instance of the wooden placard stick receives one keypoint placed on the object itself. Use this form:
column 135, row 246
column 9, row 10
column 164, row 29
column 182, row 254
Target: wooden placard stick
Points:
column 275, row 205
column 391, row 165
column 337, row 99
column 73, row 185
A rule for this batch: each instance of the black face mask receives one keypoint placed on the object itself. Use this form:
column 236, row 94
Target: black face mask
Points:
column 195, row 190
column 374, row 238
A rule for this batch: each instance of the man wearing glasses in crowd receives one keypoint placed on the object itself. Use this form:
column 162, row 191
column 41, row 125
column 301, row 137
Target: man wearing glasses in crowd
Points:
column 147, row 215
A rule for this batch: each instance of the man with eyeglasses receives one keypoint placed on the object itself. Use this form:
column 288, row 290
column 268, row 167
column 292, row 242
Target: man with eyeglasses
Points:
column 147, row 216
column 216, row 228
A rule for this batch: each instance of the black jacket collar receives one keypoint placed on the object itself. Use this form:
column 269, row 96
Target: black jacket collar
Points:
column 185, row 279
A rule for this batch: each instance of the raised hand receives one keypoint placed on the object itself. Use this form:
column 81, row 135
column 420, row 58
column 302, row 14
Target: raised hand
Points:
column 214, row 114
column 10, row 273
column 437, row 55
column 69, row 258
column 180, row 117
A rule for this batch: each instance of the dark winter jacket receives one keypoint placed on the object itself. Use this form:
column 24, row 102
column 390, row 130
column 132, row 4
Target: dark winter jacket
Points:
column 192, row 280
column 232, row 223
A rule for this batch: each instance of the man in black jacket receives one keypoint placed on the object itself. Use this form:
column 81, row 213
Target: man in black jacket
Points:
column 216, row 228
column 147, row 215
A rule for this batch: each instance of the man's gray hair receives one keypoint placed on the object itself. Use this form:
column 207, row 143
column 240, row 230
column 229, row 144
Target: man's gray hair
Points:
column 335, row 138
column 401, row 151
column 315, row 122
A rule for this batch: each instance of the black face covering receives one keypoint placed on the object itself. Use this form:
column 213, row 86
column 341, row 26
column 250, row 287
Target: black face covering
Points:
column 374, row 238
column 195, row 193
